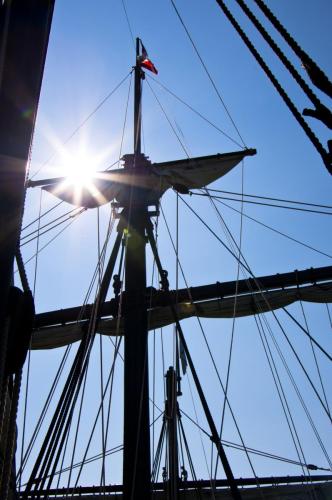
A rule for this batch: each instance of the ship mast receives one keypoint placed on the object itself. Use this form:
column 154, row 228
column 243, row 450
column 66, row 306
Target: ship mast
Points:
column 136, row 454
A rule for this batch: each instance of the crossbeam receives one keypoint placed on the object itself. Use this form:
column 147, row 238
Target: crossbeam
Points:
column 188, row 485
column 157, row 298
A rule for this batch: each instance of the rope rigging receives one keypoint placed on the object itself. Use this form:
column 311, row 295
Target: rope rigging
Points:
column 287, row 63
column 235, row 248
column 297, row 209
column 281, row 392
column 276, row 230
column 195, row 111
column 42, row 215
column 237, row 200
column 234, row 312
column 255, row 451
column 83, row 122
column 318, row 76
column 325, row 155
column 177, row 136
column 72, row 214
column 295, row 202
column 207, row 72
column 245, row 267
column 57, row 443
column 208, row 346
column 315, row 359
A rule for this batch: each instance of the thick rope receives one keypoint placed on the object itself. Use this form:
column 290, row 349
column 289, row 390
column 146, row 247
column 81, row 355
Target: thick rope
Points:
column 305, row 58
column 267, row 37
column 297, row 115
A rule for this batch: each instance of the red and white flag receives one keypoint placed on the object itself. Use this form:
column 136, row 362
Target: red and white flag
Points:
column 146, row 63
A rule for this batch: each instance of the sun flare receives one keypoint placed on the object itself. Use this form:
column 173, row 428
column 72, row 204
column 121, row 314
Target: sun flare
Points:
column 81, row 180
column 79, row 170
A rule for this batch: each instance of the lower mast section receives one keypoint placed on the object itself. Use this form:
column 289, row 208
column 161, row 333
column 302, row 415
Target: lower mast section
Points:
column 136, row 458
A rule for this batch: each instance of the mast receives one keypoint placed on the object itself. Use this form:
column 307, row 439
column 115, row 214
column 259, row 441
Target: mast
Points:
column 136, row 454
column 171, row 411
column 139, row 75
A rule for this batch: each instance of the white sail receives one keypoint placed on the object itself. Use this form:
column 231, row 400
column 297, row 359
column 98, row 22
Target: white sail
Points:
column 182, row 175
column 244, row 305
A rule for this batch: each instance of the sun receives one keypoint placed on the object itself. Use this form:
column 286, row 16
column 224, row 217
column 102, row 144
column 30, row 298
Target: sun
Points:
column 79, row 169
column 81, row 181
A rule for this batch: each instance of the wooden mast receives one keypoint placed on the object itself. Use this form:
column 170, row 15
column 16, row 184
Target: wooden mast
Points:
column 136, row 454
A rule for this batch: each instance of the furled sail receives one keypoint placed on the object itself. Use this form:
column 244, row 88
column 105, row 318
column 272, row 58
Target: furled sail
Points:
column 153, row 178
column 243, row 305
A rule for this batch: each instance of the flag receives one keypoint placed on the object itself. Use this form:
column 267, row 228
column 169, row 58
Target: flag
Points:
column 146, row 63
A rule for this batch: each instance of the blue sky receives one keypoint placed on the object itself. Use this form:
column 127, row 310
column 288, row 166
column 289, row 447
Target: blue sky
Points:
column 90, row 52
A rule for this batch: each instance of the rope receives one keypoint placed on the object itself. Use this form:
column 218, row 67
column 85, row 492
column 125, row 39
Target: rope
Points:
column 200, row 435
column 235, row 248
column 329, row 314
column 86, row 119
column 48, row 243
column 285, row 364
column 216, row 236
column 303, row 368
column 125, row 119
column 297, row 115
column 306, row 331
column 29, row 351
column 294, row 433
column 76, row 433
column 169, row 121
column 296, row 202
column 281, row 393
column 62, row 418
column 305, row 58
column 112, row 451
column 98, row 412
column 287, row 63
column 208, row 73
column 297, row 209
column 234, row 313
column 276, row 230
column 128, row 22
column 48, row 223
column 315, row 359
column 207, row 345
column 195, row 111
column 297, row 389
column 10, row 438
column 103, row 439
column 255, row 451
column 42, row 215
column 73, row 216
column 41, row 418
